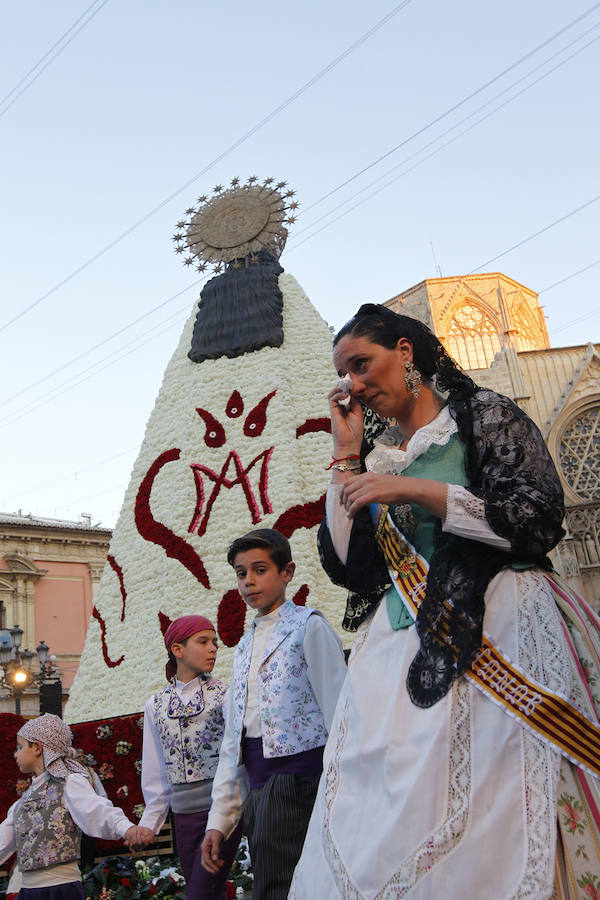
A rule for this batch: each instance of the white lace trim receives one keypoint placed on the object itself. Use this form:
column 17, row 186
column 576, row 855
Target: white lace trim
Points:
column 465, row 516
column 390, row 460
column 543, row 655
column 439, row 842
column 465, row 502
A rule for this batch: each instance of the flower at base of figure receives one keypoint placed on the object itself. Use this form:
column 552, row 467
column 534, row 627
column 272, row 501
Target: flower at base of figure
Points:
column 123, row 748
column 106, row 771
column 103, row 732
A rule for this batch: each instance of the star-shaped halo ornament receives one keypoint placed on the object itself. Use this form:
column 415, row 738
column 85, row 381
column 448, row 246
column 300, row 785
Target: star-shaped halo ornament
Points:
column 236, row 223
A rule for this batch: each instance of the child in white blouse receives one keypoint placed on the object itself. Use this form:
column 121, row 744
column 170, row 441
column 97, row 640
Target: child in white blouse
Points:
column 44, row 826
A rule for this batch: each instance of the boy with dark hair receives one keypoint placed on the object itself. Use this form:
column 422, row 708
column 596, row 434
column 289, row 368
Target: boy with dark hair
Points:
column 288, row 670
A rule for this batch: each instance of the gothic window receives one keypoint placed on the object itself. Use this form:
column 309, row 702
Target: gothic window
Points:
column 526, row 337
column 473, row 337
column 580, row 454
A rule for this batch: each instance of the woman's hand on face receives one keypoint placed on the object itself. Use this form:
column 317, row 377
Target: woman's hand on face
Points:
column 360, row 490
column 347, row 424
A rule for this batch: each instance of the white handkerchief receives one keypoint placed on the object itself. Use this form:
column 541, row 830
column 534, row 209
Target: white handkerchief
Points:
column 345, row 384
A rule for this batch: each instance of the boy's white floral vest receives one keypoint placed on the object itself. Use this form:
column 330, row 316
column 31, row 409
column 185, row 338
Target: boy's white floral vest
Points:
column 45, row 833
column 290, row 717
column 191, row 733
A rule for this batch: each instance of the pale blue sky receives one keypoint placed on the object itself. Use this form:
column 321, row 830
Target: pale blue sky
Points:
column 149, row 93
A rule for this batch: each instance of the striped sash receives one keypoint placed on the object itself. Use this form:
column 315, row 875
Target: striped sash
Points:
column 546, row 714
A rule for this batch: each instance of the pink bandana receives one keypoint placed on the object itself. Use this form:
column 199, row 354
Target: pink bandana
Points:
column 181, row 629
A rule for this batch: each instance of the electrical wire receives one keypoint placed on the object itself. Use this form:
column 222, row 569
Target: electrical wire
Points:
column 74, row 475
column 294, row 243
column 455, row 106
column 543, row 230
column 234, row 146
column 568, row 277
column 76, row 380
column 101, row 343
column 48, row 53
column 433, row 153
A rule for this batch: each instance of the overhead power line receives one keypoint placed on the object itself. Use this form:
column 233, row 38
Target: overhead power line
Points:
column 526, row 240
column 295, row 243
column 101, row 343
column 566, row 325
column 48, row 58
column 455, row 106
column 310, row 227
column 77, row 379
column 237, row 143
column 568, row 278
column 74, row 474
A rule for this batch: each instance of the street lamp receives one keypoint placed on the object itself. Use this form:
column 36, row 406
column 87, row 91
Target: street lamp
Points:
column 17, row 674
column 16, row 636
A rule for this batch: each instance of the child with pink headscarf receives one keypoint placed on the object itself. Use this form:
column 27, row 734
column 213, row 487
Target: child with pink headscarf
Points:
column 183, row 730
column 44, row 826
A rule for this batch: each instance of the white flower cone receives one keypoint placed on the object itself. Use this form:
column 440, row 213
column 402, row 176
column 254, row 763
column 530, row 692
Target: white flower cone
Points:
column 124, row 656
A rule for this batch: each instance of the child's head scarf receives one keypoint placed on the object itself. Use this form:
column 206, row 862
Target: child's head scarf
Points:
column 178, row 631
column 56, row 739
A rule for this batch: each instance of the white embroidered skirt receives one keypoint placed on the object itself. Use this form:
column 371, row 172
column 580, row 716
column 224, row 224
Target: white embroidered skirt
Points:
column 455, row 802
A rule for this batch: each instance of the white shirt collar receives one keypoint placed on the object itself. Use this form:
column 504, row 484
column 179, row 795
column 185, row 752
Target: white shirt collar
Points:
column 270, row 618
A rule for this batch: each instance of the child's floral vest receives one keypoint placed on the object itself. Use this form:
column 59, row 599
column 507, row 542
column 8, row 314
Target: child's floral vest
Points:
column 290, row 717
column 45, row 833
column 191, row 733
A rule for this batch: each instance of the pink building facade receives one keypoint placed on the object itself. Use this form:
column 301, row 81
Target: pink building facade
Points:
column 49, row 571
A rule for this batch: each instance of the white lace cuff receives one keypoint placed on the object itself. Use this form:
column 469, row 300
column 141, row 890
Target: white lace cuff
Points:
column 465, row 517
column 338, row 522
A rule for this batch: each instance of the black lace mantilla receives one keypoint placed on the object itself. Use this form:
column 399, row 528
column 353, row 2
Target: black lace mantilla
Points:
column 510, row 469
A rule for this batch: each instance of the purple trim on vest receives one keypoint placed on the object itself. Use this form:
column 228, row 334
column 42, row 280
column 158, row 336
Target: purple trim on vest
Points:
column 260, row 769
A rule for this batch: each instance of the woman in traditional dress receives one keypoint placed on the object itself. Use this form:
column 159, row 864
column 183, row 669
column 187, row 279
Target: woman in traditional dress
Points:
column 467, row 723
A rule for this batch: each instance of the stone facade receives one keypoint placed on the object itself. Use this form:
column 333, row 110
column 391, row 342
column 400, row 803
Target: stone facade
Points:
column 49, row 571
column 495, row 328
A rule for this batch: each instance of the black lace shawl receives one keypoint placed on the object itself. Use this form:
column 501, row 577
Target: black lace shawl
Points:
column 509, row 467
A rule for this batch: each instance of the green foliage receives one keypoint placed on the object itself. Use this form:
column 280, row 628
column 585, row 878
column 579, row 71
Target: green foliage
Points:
column 125, row 878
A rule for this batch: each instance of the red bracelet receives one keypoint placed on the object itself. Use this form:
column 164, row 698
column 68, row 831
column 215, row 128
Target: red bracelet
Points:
column 334, row 460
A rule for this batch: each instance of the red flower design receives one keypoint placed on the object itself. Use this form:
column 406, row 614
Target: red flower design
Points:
column 119, row 573
column 157, row 533
column 111, row 663
column 231, row 618
column 235, row 405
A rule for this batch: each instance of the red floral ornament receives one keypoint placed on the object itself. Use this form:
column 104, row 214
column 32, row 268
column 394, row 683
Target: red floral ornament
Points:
column 312, row 426
column 305, row 515
column 257, row 417
column 111, row 663
column 231, row 618
column 301, row 594
column 214, row 436
column 220, row 480
column 235, row 405
column 164, row 621
column 157, row 533
column 119, row 573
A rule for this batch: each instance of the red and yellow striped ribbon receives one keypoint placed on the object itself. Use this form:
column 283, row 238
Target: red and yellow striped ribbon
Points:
column 541, row 711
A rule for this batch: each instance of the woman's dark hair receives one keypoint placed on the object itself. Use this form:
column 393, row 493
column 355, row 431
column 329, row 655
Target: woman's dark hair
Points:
column 382, row 326
column 277, row 546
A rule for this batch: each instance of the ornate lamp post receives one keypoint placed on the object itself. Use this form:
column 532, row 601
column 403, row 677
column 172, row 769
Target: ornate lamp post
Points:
column 17, row 674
